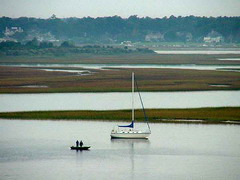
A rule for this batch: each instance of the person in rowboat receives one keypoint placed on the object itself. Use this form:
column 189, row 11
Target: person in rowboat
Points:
column 77, row 143
column 81, row 143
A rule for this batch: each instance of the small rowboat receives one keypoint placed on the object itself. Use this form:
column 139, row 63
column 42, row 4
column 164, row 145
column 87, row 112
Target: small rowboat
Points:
column 80, row 148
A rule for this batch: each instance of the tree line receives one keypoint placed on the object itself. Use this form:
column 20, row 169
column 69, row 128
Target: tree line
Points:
column 116, row 29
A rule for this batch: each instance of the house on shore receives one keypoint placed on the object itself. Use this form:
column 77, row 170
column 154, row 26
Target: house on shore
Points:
column 213, row 38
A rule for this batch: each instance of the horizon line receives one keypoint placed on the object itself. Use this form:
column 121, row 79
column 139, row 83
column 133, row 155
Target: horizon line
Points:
column 140, row 17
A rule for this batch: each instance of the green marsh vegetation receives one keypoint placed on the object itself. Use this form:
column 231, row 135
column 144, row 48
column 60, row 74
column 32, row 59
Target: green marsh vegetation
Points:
column 22, row 80
column 36, row 48
column 13, row 79
column 124, row 58
column 208, row 115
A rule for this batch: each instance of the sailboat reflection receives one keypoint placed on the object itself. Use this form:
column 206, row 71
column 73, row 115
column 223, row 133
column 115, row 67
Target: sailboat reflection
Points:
column 130, row 141
column 135, row 146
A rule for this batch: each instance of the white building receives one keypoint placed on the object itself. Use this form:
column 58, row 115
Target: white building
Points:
column 213, row 37
column 127, row 43
column 11, row 31
column 154, row 37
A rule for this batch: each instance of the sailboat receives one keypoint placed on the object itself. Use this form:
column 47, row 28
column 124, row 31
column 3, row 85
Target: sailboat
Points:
column 129, row 131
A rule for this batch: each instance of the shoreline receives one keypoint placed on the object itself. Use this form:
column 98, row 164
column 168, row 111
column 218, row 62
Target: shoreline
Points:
column 123, row 91
column 222, row 115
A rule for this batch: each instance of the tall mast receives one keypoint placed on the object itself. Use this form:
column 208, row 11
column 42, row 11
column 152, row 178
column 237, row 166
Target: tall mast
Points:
column 132, row 96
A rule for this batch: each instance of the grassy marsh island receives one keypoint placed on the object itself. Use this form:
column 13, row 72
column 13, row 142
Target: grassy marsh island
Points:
column 35, row 80
column 130, row 58
column 196, row 115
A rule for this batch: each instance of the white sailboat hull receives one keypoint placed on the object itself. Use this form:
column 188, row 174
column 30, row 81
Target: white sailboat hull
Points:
column 130, row 135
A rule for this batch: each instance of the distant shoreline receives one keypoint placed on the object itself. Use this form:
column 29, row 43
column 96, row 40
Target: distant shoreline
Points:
column 223, row 115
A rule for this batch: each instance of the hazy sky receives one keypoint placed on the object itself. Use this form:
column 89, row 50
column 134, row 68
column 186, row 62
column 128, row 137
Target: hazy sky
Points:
column 124, row 8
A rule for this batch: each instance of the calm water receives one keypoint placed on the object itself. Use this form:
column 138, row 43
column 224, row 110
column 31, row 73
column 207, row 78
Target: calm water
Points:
column 40, row 150
column 103, row 66
column 199, row 52
column 111, row 101
column 229, row 59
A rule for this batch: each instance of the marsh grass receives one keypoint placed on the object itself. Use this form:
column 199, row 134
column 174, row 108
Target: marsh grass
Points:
column 209, row 115
column 203, row 59
column 115, row 80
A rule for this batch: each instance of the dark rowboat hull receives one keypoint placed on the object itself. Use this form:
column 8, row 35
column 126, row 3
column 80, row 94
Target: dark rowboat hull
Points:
column 80, row 148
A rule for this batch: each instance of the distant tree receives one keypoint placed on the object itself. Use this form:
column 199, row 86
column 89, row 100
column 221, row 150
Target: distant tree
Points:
column 66, row 44
column 53, row 16
column 33, row 43
column 170, row 36
column 20, row 36
column 116, row 29
column 9, row 45
column 45, row 44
